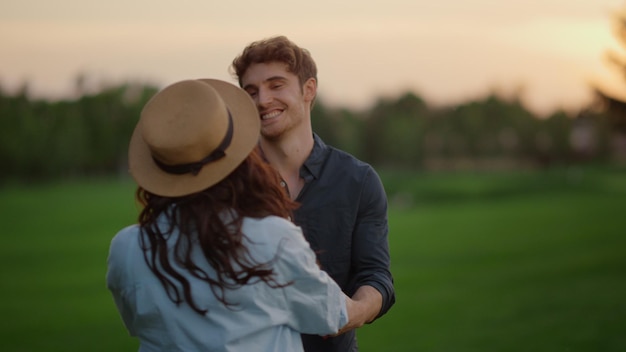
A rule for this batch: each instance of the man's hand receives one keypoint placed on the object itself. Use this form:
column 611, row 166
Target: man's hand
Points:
column 362, row 308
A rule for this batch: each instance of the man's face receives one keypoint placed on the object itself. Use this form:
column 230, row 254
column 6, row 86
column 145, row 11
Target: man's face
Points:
column 283, row 104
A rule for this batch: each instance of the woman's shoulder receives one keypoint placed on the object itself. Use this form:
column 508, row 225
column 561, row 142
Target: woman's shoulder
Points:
column 126, row 234
column 272, row 231
column 124, row 240
column 121, row 256
column 270, row 225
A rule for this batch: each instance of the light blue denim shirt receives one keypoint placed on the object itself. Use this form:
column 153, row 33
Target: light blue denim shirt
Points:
column 265, row 319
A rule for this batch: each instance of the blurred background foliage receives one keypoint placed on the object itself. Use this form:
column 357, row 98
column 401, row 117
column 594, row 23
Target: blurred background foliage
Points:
column 88, row 136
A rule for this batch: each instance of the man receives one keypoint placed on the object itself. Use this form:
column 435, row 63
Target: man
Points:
column 343, row 210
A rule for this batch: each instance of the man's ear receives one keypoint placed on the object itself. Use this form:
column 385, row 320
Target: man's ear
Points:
column 309, row 89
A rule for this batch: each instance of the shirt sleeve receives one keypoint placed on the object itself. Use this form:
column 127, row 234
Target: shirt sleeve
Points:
column 116, row 277
column 371, row 247
column 314, row 301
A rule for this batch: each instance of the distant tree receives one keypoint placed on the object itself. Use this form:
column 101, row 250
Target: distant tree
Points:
column 491, row 127
column 42, row 140
column 323, row 124
column 615, row 106
column 394, row 131
column 552, row 143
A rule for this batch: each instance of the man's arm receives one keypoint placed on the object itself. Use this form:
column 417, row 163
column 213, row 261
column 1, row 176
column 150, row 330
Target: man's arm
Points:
column 363, row 308
column 374, row 293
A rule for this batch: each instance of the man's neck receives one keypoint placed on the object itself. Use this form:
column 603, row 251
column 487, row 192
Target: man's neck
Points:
column 287, row 154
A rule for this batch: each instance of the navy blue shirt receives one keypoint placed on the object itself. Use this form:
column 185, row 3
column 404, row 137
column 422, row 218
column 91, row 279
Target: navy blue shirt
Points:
column 343, row 214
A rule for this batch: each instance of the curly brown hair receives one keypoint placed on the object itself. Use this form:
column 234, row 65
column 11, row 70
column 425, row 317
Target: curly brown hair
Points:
column 251, row 190
column 276, row 49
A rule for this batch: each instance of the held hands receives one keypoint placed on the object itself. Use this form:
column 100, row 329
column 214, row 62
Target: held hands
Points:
column 362, row 308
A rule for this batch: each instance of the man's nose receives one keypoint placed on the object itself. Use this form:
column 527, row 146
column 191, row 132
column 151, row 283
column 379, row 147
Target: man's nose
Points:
column 264, row 97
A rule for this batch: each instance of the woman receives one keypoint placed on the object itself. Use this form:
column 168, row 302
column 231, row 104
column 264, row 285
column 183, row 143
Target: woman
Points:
column 214, row 263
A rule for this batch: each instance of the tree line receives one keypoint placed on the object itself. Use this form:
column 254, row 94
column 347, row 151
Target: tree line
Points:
column 492, row 132
column 88, row 135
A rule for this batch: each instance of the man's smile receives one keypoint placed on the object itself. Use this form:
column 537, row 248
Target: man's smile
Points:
column 271, row 114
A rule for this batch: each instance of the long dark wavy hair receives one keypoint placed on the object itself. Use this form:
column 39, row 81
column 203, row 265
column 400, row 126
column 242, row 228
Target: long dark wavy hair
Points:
column 251, row 190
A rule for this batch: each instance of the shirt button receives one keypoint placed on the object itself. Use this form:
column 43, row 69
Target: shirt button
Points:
column 283, row 184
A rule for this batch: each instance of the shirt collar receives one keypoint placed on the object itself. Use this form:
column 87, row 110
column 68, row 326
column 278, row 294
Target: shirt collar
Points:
column 313, row 164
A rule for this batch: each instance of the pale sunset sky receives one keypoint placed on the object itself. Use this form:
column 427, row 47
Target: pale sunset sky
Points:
column 446, row 51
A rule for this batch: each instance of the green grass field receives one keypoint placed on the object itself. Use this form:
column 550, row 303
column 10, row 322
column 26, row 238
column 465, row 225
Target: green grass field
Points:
column 482, row 262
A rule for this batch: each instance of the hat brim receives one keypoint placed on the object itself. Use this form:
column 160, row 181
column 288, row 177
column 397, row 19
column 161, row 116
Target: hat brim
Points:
column 246, row 132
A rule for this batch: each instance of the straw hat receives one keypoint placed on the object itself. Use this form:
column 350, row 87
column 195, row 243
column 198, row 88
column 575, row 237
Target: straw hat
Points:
column 191, row 135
